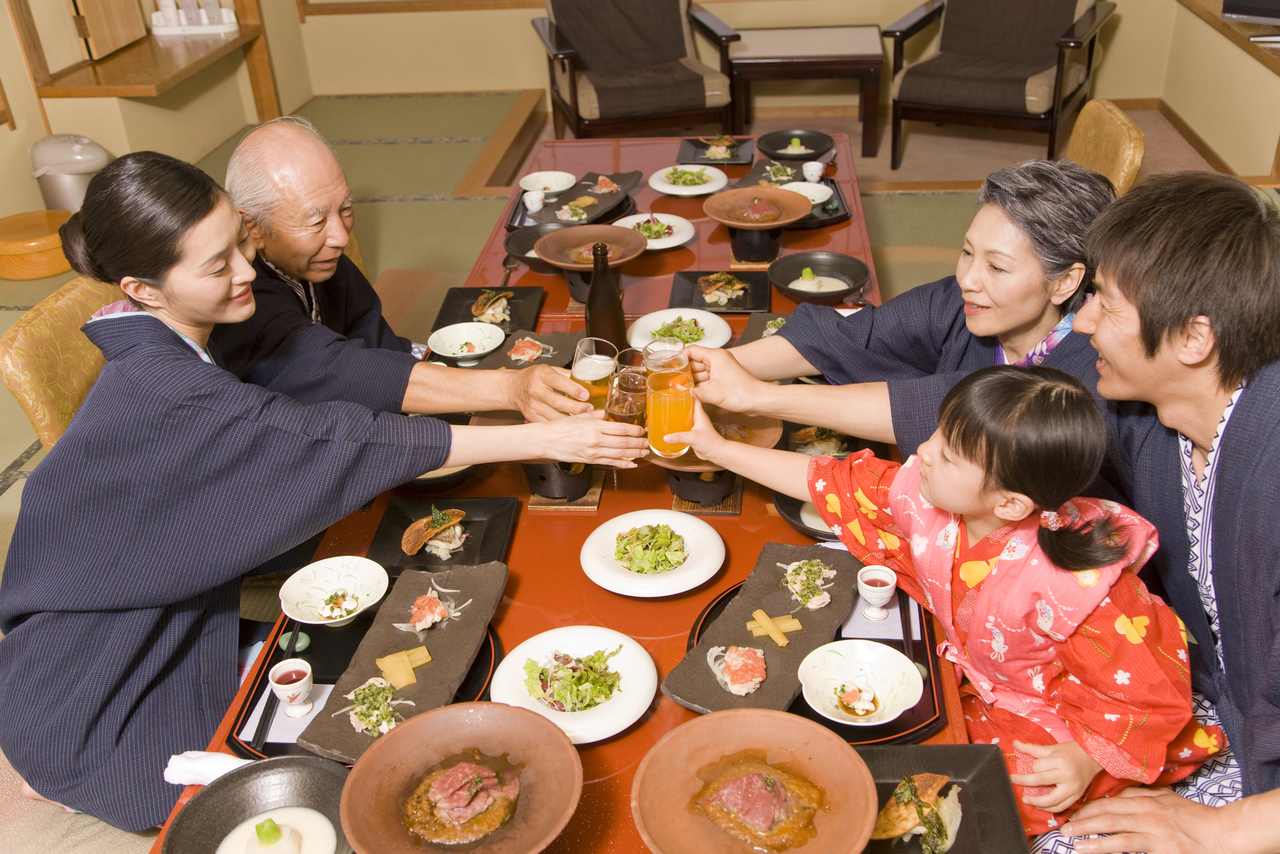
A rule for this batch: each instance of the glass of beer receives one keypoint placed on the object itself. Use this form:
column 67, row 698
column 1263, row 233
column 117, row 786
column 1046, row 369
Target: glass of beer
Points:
column 594, row 363
column 667, row 354
column 628, row 396
column 631, row 358
column 670, row 410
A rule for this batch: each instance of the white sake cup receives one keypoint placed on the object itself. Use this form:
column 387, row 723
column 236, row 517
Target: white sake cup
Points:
column 813, row 171
column 534, row 200
column 294, row 691
column 876, row 585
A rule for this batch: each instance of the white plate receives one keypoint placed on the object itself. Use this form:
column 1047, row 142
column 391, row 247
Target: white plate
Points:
column 717, row 329
column 890, row 674
column 304, row 592
column 704, row 546
column 682, row 229
column 717, row 181
column 815, row 193
column 629, row 702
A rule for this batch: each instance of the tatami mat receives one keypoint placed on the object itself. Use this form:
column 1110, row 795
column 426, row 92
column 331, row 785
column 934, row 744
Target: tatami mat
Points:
column 410, row 117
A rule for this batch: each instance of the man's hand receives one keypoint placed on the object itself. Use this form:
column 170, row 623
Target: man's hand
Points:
column 539, row 393
column 1066, row 767
column 1159, row 822
column 722, row 381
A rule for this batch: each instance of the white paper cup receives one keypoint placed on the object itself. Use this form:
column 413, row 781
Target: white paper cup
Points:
column 534, row 200
column 813, row 171
column 290, row 688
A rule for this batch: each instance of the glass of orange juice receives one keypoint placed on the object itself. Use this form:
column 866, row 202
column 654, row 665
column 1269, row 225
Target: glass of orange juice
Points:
column 595, row 361
column 669, row 410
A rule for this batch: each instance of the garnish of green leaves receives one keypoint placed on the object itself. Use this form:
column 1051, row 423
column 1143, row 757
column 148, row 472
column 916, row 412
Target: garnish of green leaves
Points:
column 689, row 331
column 650, row 549
column 934, row 840
column 569, row 684
column 439, row 518
column 686, row 177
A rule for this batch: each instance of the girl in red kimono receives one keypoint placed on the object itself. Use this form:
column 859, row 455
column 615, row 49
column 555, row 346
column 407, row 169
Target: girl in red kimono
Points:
column 1071, row 666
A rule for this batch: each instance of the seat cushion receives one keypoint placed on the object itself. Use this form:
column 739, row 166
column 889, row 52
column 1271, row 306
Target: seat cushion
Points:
column 715, row 91
column 969, row 82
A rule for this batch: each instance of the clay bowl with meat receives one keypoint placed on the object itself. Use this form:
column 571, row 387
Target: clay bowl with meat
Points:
column 549, row 773
column 519, row 244
column 570, row 248
column 676, row 768
column 736, row 207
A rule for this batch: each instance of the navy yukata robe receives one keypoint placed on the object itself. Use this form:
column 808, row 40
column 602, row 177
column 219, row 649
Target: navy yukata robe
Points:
column 119, row 600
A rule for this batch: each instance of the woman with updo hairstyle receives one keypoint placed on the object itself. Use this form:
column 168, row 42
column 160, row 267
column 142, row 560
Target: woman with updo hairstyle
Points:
column 120, row 597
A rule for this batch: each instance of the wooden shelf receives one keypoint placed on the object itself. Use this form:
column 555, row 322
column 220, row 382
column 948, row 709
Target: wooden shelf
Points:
column 148, row 67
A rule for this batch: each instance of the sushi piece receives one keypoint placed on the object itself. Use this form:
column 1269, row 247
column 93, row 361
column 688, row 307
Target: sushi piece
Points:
column 739, row 670
column 604, row 185
column 526, row 350
column 427, row 611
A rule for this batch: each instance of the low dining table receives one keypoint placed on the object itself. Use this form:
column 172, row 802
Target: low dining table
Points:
column 546, row 587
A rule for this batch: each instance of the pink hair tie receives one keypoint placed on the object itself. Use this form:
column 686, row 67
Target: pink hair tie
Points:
column 1051, row 520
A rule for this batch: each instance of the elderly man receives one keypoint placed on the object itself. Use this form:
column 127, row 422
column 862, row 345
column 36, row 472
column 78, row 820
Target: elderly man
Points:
column 318, row 333
column 1187, row 320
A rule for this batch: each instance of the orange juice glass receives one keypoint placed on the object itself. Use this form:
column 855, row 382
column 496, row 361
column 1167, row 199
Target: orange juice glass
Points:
column 670, row 410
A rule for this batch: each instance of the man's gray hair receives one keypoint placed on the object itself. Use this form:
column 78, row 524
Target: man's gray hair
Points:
column 1052, row 202
column 249, row 181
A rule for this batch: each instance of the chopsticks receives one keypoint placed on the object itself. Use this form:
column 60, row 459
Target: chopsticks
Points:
column 269, row 707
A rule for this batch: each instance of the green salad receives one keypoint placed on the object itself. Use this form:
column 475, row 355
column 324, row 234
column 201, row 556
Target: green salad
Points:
column 686, row 177
column 650, row 549
column 654, row 228
column 689, row 331
column 569, row 684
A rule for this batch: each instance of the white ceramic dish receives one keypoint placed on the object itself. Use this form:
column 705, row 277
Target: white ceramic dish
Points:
column 450, row 342
column 304, row 592
column 628, row 704
column 894, row 678
column 550, row 183
column 816, row 193
column 717, row 328
column 682, row 229
column 703, row 544
column 716, row 181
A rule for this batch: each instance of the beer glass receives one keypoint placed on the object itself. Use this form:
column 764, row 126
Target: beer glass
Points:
column 667, row 354
column 594, row 363
column 628, row 396
column 670, row 410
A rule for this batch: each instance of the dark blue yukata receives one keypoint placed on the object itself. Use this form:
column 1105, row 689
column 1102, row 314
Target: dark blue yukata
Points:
column 350, row 353
column 919, row 344
column 120, row 595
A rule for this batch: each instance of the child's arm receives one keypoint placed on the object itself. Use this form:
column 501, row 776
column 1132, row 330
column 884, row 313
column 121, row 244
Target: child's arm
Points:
column 1066, row 767
column 783, row 471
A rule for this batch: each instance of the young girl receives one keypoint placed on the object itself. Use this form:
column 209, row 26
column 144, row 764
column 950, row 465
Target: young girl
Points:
column 1071, row 665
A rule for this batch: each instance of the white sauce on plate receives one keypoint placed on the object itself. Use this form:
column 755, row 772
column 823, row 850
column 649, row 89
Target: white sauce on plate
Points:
column 318, row 836
column 819, row 284
column 809, row 516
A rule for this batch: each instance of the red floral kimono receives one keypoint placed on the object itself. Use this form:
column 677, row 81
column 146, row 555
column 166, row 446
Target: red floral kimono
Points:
column 1049, row 655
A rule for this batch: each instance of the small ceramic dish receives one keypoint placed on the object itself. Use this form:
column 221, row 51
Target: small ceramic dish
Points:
column 815, row 193
column 893, row 677
column 550, row 183
column 304, row 592
column 465, row 344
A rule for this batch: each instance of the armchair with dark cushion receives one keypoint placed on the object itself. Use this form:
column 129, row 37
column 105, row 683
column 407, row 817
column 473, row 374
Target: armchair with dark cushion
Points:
column 619, row 66
column 1011, row 64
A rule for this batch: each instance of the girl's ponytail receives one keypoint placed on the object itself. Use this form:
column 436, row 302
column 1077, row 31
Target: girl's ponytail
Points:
column 1074, row 545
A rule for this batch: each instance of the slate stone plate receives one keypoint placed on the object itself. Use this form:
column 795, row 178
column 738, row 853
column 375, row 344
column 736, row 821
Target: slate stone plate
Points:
column 488, row 525
column 453, row 646
column 605, row 202
column 693, row 685
column 562, row 342
column 685, row 292
column 524, row 304
column 754, row 330
column 694, row 152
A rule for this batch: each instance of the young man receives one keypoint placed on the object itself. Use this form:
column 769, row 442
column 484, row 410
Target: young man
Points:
column 1187, row 321
column 318, row 333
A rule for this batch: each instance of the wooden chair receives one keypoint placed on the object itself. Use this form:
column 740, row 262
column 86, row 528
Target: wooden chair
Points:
column 1107, row 141
column 48, row 363
column 621, row 66
column 995, row 66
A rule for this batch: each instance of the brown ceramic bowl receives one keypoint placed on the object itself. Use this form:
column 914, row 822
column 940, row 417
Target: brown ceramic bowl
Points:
column 388, row 772
column 667, row 780
column 554, row 248
column 726, row 208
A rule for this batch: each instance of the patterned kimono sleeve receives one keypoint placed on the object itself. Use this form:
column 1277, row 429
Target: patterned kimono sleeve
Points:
column 1124, row 688
column 852, row 496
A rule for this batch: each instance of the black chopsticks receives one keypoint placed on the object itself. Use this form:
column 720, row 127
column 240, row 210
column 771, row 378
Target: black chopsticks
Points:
column 269, row 708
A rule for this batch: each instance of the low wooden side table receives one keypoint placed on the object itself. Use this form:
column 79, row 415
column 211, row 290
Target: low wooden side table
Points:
column 810, row 53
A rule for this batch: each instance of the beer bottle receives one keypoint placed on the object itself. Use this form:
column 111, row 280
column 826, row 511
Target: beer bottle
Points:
column 604, row 301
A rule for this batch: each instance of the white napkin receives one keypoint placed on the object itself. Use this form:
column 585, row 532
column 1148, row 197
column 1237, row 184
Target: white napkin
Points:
column 198, row 768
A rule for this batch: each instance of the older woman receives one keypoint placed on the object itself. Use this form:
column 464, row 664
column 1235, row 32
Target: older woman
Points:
column 1020, row 278
column 120, row 595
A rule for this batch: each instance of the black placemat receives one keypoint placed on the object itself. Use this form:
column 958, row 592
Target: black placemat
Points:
column 452, row 645
column 561, row 343
column 692, row 683
column 488, row 525
column 693, row 152
column 523, row 305
column 686, row 294
column 605, row 202
column 988, row 807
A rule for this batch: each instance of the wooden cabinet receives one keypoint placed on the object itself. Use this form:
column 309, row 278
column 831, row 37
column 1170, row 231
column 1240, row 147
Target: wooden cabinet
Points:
column 108, row 25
